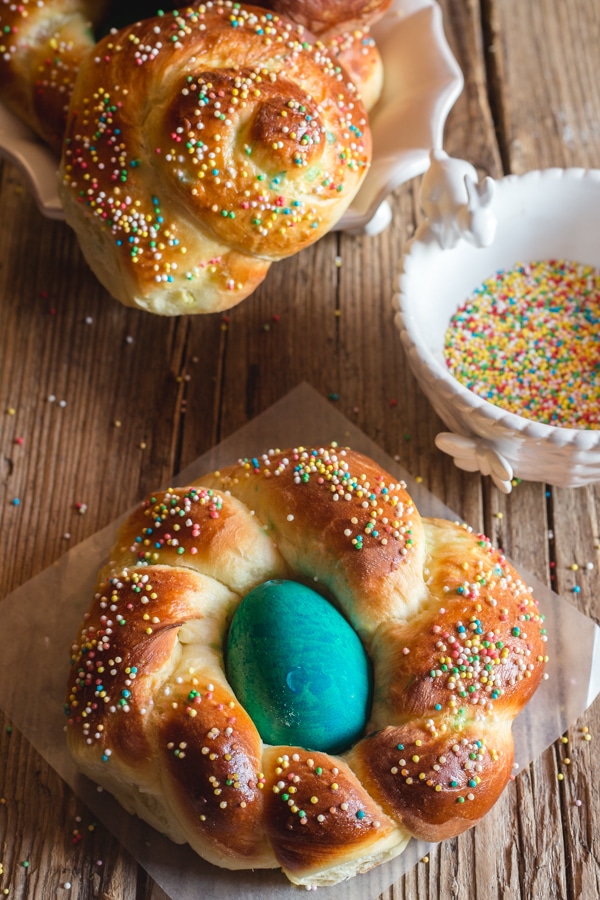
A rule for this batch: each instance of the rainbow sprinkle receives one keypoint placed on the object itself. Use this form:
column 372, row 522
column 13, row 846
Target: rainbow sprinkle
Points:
column 382, row 511
column 528, row 341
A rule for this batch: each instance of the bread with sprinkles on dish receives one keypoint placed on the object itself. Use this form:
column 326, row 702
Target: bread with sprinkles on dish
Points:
column 455, row 638
column 42, row 43
column 201, row 146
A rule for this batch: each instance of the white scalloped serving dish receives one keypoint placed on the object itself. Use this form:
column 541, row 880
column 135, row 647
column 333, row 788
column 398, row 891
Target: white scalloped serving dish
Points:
column 422, row 83
column 553, row 213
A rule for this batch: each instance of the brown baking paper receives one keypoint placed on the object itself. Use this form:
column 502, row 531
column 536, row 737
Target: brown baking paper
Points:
column 44, row 616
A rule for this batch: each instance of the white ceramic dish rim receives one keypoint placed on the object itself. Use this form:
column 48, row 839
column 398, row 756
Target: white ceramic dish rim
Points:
column 419, row 124
column 584, row 439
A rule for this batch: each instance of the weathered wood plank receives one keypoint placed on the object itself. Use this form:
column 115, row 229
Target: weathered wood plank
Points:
column 541, row 92
column 547, row 97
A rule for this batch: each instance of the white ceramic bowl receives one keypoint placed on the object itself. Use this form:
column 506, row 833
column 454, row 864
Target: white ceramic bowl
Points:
column 554, row 213
column 422, row 82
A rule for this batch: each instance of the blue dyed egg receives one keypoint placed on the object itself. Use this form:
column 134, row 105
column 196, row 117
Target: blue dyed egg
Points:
column 298, row 668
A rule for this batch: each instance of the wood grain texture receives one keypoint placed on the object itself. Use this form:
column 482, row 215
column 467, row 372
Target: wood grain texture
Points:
column 137, row 398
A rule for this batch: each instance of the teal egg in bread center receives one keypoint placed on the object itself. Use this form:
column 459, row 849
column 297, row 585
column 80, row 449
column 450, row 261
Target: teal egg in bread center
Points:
column 298, row 668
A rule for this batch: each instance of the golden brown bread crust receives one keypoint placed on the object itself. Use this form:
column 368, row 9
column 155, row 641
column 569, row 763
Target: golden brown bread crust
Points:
column 200, row 528
column 344, row 29
column 437, row 784
column 475, row 602
column 42, row 43
column 239, row 142
column 214, row 761
column 332, row 15
column 345, row 524
column 456, row 640
column 308, row 794
column 357, row 52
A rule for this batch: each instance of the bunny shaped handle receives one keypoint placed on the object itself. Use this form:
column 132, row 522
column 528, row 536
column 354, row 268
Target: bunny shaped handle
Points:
column 456, row 203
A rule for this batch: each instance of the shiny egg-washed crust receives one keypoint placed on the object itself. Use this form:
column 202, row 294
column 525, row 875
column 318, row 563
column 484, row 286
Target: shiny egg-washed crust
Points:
column 344, row 29
column 455, row 637
column 201, row 146
column 42, row 43
column 357, row 52
column 325, row 17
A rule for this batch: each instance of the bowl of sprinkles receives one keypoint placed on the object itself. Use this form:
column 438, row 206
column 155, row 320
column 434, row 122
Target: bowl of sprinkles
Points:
column 504, row 338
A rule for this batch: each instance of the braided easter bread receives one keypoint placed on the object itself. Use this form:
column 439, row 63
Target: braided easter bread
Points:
column 201, row 146
column 455, row 639
column 42, row 43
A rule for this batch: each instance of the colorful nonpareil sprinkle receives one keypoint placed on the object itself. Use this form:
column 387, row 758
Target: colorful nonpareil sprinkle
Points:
column 383, row 510
column 528, row 341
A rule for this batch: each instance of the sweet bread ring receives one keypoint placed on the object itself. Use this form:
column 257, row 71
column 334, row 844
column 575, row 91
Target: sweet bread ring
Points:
column 455, row 637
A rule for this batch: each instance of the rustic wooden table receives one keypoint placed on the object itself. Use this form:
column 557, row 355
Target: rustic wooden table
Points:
column 137, row 398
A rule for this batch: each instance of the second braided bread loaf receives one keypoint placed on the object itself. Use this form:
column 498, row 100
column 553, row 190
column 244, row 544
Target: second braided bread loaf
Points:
column 201, row 146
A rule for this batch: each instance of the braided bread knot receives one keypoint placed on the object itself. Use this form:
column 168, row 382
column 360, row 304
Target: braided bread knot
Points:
column 454, row 636
column 203, row 145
